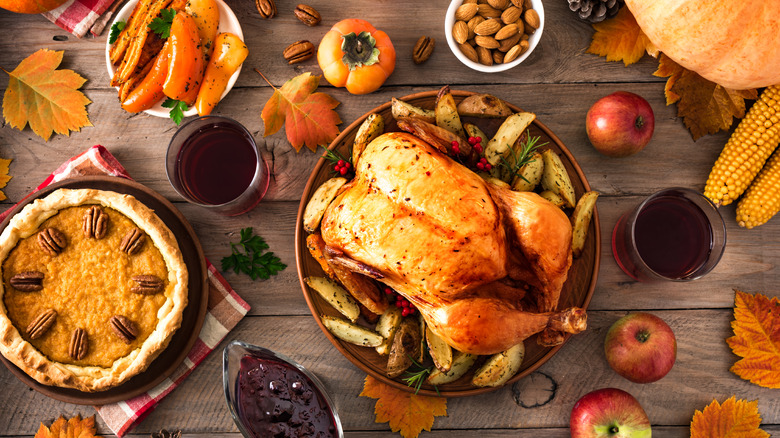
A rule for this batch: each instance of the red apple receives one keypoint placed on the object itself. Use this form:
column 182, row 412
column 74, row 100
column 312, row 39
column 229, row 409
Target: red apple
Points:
column 609, row 413
column 620, row 124
column 641, row 347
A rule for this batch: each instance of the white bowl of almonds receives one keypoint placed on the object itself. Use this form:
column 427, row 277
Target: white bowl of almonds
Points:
column 493, row 35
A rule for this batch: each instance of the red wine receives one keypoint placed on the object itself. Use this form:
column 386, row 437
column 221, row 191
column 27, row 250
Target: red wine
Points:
column 673, row 236
column 217, row 163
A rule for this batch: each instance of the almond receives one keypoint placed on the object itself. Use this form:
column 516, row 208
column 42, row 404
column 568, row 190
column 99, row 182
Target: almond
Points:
column 487, row 42
column 520, row 26
column 527, row 4
column 473, row 23
column 531, row 19
column 509, row 42
column 507, row 31
column 513, row 53
column 485, row 57
column 466, row 12
column 511, row 14
column 460, row 32
column 488, row 11
column 498, row 57
column 469, row 52
column 518, row 3
column 488, row 27
column 499, row 4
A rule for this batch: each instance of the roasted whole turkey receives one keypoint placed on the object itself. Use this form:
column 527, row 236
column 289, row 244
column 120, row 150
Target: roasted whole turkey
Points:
column 483, row 264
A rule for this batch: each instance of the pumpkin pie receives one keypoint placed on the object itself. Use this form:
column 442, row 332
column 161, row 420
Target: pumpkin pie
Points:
column 93, row 288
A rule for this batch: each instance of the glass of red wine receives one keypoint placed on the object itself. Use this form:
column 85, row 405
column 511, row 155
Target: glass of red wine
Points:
column 213, row 161
column 675, row 234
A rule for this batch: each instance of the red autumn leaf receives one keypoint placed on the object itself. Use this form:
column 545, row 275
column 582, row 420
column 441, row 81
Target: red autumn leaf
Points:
column 756, row 339
column 704, row 106
column 72, row 428
column 406, row 412
column 308, row 117
column 46, row 98
column 620, row 39
column 733, row 419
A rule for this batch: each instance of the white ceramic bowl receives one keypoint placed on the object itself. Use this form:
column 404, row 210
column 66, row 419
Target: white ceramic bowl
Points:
column 533, row 40
column 227, row 23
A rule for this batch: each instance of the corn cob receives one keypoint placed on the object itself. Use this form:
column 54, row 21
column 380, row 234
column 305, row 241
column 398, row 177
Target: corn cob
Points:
column 762, row 199
column 751, row 144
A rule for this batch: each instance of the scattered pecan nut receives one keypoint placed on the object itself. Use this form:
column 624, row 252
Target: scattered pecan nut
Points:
column 266, row 8
column 133, row 241
column 147, row 285
column 124, row 328
column 298, row 51
column 423, row 49
column 41, row 323
column 29, row 281
column 308, row 15
column 52, row 241
column 95, row 222
column 77, row 349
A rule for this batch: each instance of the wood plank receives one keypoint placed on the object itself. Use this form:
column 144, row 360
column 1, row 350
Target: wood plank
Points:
column 699, row 376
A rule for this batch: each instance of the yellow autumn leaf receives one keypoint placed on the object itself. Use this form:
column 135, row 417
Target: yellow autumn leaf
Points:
column 733, row 419
column 620, row 39
column 756, row 339
column 406, row 412
column 75, row 427
column 4, row 177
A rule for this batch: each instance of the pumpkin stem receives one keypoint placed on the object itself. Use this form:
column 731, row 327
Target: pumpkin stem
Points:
column 359, row 50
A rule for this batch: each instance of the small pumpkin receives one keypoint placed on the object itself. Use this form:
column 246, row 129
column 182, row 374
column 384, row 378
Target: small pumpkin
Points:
column 30, row 6
column 355, row 55
column 735, row 44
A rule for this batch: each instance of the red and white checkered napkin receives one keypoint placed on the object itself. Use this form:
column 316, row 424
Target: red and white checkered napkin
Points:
column 81, row 16
column 225, row 308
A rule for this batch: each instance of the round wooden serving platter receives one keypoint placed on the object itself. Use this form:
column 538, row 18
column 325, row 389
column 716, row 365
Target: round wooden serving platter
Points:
column 577, row 291
column 194, row 314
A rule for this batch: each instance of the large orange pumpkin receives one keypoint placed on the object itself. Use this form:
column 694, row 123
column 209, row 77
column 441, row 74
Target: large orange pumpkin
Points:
column 30, row 6
column 734, row 43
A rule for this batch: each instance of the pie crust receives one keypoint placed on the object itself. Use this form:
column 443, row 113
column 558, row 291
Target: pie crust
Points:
column 114, row 279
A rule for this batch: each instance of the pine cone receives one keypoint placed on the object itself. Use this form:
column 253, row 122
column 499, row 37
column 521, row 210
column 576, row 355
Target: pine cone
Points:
column 594, row 11
column 165, row 434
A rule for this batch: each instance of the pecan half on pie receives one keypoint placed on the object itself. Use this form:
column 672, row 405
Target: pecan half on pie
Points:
column 93, row 288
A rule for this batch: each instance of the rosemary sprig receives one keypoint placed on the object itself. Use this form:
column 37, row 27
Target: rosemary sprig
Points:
column 334, row 158
column 525, row 156
column 417, row 377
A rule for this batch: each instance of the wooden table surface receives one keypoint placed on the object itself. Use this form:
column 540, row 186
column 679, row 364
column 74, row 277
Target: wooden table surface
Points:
column 558, row 82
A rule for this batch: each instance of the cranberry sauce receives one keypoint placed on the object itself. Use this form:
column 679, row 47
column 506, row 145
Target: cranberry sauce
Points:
column 276, row 400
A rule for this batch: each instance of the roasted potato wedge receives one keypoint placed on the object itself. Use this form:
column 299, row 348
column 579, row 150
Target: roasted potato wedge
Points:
column 362, row 288
column 319, row 201
column 473, row 130
column 351, row 332
column 316, row 247
column 461, row 363
column 401, row 109
column 436, row 136
column 554, row 198
column 484, row 105
column 496, row 181
column 447, row 112
column 336, row 296
column 387, row 326
column 556, row 179
column 500, row 367
column 529, row 175
column 440, row 351
column 371, row 128
column 580, row 221
column 405, row 347
column 498, row 147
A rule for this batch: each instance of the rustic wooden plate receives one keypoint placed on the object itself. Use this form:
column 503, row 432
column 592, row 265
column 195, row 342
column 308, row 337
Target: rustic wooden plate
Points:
column 194, row 313
column 577, row 291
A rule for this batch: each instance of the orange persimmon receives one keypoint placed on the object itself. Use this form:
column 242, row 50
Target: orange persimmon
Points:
column 185, row 68
column 150, row 90
column 355, row 55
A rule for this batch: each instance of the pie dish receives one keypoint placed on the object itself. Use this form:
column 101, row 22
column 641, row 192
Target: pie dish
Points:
column 94, row 287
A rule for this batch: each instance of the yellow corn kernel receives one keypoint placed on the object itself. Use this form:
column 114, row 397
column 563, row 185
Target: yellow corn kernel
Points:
column 762, row 198
column 746, row 151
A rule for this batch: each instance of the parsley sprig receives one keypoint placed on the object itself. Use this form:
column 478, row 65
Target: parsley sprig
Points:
column 523, row 157
column 116, row 29
column 249, row 257
column 162, row 25
column 177, row 109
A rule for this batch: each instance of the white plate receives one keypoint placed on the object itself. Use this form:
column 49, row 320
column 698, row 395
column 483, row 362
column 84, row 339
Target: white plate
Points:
column 227, row 23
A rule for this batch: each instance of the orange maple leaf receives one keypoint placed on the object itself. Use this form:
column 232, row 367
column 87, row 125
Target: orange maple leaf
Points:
column 46, row 98
column 733, row 419
column 704, row 106
column 308, row 117
column 620, row 39
column 72, row 428
column 406, row 412
column 756, row 339
column 4, row 177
